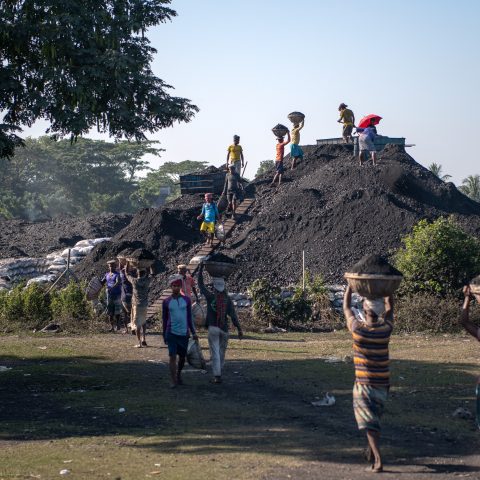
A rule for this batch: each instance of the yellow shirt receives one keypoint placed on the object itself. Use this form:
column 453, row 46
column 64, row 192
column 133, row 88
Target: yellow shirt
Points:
column 234, row 152
column 347, row 116
column 295, row 134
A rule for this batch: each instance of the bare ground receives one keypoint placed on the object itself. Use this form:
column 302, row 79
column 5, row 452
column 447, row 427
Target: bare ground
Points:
column 59, row 410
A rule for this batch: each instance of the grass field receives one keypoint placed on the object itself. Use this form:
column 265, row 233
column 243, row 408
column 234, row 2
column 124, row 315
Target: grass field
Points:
column 60, row 404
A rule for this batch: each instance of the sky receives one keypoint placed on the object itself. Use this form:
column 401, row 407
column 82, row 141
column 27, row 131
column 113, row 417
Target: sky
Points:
column 247, row 64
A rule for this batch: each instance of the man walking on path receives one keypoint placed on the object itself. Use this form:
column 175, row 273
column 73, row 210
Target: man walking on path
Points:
column 114, row 294
column 210, row 215
column 472, row 329
column 235, row 155
column 126, row 295
column 232, row 188
column 140, row 285
column 348, row 119
column 295, row 149
column 371, row 337
column 188, row 282
column 219, row 306
column 177, row 326
column 280, row 152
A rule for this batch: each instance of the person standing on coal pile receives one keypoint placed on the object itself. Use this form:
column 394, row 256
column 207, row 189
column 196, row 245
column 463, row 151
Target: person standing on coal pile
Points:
column 296, row 151
column 280, row 151
column 219, row 306
column 471, row 328
column 366, row 143
column 188, row 282
column 348, row 119
column 114, row 294
column 371, row 337
column 177, row 324
column 233, row 188
column 235, row 155
column 210, row 216
column 140, row 285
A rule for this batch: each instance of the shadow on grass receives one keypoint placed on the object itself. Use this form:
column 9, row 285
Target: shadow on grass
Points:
column 262, row 407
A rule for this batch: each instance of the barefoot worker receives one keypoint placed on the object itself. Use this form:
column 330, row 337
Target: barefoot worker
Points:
column 348, row 119
column 177, row 326
column 366, row 143
column 279, row 153
column 209, row 215
column 296, row 151
column 126, row 295
column 471, row 328
column 371, row 336
column 219, row 306
column 140, row 285
column 233, row 188
column 114, row 294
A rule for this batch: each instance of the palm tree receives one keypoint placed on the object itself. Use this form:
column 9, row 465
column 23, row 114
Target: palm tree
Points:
column 471, row 187
column 436, row 169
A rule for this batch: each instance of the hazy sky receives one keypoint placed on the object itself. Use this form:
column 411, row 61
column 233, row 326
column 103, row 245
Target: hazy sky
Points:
column 247, row 64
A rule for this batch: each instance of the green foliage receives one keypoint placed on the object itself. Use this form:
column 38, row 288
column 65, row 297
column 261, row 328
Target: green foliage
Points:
column 424, row 312
column 437, row 258
column 309, row 307
column 24, row 308
column 84, row 64
column 437, row 170
column 471, row 187
column 168, row 175
column 50, row 177
column 265, row 166
column 70, row 306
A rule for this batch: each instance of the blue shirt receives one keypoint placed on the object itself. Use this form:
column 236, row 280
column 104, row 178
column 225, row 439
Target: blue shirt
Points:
column 110, row 279
column 210, row 212
column 177, row 316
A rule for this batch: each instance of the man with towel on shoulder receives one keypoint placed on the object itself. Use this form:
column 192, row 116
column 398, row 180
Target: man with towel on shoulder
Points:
column 371, row 335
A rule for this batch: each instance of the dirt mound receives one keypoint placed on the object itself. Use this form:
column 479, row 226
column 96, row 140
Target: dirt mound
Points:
column 337, row 212
column 220, row 257
column 374, row 264
column 20, row 238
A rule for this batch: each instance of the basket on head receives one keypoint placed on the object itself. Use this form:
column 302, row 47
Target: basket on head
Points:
column 475, row 288
column 219, row 269
column 140, row 263
column 296, row 117
column 279, row 130
column 373, row 285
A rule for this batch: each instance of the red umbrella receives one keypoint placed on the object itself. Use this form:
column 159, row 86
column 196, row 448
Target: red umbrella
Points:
column 366, row 121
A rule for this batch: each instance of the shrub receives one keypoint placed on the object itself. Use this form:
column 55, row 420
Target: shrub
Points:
column 437, row 258
column 423, row 312
column 71, row 308
column 265, row 298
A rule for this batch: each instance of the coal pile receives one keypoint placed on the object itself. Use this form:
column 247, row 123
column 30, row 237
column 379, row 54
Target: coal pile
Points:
column 337, row 212
column 220, row 257
column 374, row 264
column 142, row 254
column 20, row 238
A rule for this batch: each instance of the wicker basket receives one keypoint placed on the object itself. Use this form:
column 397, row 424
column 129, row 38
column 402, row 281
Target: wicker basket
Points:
column 279, row 130
column 199, row 316
column 219, row 269
column 93, row 288
column 373, row 285
column 143, row 263
column 475, row 289
column 296, row 117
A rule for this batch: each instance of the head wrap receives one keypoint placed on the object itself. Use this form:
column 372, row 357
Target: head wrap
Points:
column 208, row 195
column 182, row 266
column 376, row 305
column 219, row 284
column 175, row 280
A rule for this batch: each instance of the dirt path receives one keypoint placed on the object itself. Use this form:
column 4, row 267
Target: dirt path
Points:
column 61, row 399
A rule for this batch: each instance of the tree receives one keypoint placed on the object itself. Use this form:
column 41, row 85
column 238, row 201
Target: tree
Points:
column 168, row 175
column 436, row 169
column 438, row 258
column 81, row 65
column 50, row 177
column 265, row 166
column 471, row 187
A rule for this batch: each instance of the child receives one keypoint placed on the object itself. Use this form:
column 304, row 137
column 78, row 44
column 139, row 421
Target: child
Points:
column 280, row 147
column 232, row 188
column 210, row 215
column 295, row 149
column 235, row 155
column 177, row 323
column 114, row 294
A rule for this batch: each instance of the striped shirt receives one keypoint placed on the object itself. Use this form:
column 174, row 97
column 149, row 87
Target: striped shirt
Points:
column 370, row 347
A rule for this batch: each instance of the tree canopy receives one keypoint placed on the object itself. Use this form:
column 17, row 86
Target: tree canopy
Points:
column 80, row 65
